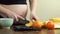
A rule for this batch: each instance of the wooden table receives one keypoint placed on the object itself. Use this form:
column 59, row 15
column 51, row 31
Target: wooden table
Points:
column 43, row 31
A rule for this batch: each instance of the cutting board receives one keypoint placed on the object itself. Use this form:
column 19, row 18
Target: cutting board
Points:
column 57, row 25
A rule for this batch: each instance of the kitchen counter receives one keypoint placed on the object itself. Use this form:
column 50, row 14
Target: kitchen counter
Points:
column 42, row 31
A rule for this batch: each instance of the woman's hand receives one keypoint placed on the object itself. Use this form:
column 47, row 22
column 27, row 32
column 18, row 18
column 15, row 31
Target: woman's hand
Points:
column 15, row 16
column 33, row 16
column 11, row 15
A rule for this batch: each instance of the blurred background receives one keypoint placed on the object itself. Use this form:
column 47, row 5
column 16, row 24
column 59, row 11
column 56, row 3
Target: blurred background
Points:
column 47, row 9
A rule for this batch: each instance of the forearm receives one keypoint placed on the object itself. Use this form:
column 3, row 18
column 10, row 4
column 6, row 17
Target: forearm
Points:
column 4, row 10
column 33, row 4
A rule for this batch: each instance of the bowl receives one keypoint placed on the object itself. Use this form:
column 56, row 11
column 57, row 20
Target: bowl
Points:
column 6, row 22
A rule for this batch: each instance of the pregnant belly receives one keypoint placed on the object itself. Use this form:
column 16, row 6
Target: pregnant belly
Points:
column 19, row 9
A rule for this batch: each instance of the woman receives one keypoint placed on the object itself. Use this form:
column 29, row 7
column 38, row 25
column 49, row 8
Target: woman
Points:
column 17, row 9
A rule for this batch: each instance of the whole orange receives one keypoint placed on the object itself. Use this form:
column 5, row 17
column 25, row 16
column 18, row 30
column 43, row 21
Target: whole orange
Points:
column 50, row 25
column 37, row 24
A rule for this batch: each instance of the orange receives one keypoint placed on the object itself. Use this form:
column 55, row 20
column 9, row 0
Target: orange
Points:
column 50, row 25
column 37, row 24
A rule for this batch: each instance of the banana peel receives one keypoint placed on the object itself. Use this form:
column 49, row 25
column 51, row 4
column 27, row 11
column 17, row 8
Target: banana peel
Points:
column 55, row 19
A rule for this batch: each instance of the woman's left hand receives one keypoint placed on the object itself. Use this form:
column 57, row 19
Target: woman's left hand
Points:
column 33, row 16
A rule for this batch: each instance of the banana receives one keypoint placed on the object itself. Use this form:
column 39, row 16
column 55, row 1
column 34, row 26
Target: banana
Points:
column 55, row 19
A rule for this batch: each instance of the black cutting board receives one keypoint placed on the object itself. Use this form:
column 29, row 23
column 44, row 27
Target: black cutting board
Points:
column 24, row 28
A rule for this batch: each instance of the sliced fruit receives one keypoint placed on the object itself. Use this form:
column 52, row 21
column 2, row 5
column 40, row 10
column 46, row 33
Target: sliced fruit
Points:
column 29, row 24
column 38, row 24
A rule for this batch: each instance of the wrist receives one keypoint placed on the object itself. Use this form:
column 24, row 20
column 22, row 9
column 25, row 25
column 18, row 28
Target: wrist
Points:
column 32, row 12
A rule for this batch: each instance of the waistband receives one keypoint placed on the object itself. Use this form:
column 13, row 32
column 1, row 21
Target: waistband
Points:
column 11, row 2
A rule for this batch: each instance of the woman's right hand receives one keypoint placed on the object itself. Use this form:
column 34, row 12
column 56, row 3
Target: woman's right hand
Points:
column 15, row 16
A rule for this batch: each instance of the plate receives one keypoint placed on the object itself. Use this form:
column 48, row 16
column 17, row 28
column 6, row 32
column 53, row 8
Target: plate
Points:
column 57, row 25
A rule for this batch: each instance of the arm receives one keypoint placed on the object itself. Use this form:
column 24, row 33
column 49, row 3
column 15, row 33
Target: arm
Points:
column 9, row 13
column 33, row 4
column 4, row 10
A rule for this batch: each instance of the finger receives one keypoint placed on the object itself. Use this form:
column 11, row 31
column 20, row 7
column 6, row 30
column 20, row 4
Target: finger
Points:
column 36, row 18
column 21, row 17
column 16, row 18
column 31, row 18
